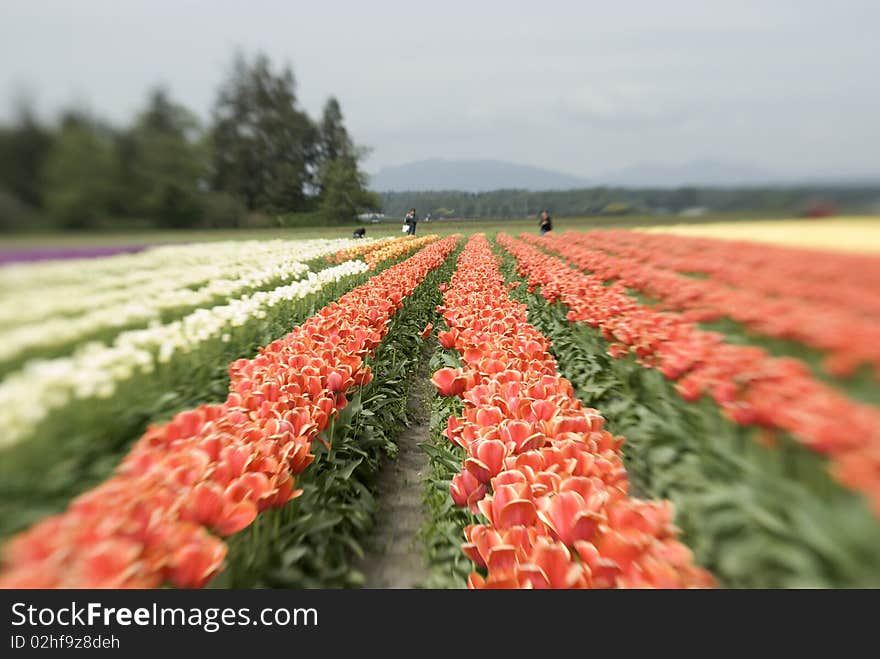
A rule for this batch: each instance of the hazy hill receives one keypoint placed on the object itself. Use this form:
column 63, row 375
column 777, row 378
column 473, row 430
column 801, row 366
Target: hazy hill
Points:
column 471, row 176
column 474, row 176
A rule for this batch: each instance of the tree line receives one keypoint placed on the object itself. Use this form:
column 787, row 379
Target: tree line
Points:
column 260, row 158
column 608, row 201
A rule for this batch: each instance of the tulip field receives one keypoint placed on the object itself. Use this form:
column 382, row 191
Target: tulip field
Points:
column 584, row 409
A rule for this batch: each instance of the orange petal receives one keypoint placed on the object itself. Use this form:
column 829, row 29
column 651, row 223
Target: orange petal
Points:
column 516, row 513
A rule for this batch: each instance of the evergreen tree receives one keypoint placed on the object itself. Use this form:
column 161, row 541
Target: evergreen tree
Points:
column 162, row 163
column 334, row 140
column 345, row 191
column 79, row 172
column 24, row 147
column 265, row 147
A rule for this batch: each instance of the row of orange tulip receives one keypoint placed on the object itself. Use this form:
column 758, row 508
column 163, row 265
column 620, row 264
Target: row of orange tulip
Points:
column 541, row 469
column 751, row 387
column 843, row 280
column 848, row 336
column 208, row 472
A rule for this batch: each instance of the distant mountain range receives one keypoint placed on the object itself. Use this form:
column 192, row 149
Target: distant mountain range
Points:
column 484, row 175
column 470, row 176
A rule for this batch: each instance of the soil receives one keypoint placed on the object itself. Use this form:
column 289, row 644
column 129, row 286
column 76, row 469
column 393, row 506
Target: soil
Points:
column 395, row 558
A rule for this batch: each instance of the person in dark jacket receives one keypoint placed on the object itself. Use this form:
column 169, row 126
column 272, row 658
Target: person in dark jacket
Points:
column 411, row 221
column 546, row 223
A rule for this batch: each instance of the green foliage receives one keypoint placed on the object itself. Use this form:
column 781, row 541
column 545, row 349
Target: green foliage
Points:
column 306, row 220
column 220, row 210
column 79, row 172
column 261, row 157
column 161, row 164
column 443, row 532
column 263, row 143
column 333, row 138
column 24, row 147
column 14, row 213
column 344, row 191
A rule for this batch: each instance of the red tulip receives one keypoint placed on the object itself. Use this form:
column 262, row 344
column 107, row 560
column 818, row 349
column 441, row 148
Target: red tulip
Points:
column 569, row 518
column 110, row 563
column 196, row 562
column 555, row 565
column 466, row 489
column 447, row 339
column 448, row 381
column 520, row 436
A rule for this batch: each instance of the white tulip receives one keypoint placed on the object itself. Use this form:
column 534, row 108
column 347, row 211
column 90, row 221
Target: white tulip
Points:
column 50, row 306
column 41, row 388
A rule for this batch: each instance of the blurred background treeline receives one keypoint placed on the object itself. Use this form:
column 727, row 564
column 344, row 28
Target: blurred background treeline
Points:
column 808, row 200
column 259, row 161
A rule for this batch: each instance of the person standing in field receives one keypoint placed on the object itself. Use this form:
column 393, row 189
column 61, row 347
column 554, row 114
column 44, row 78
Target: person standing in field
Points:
column 411, row 221
column 546, row 223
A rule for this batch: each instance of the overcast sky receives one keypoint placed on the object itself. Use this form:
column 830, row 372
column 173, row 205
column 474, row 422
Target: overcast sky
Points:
column 582, row 86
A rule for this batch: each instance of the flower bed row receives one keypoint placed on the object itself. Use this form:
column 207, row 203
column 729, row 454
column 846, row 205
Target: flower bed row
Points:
column 96, row 371
column 756, row 514
column 849, row 337
column 211, row 470
column 382, row 249
column 319, row 541
column 847, row 281
column 47, row 290
column 31, row 254
column 398, row 248
column 359, row 249
column 751, row 387
column 69, row 421
column 170, row 293
column 541, row 469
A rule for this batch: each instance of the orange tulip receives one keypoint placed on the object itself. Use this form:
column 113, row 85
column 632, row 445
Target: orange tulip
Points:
column 448, row 381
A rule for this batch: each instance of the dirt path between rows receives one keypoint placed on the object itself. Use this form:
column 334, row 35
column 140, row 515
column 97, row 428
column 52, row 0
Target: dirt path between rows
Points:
column 395, row 558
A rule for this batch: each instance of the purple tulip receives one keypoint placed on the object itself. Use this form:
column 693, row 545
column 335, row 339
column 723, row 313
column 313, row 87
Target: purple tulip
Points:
column 54, row 253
